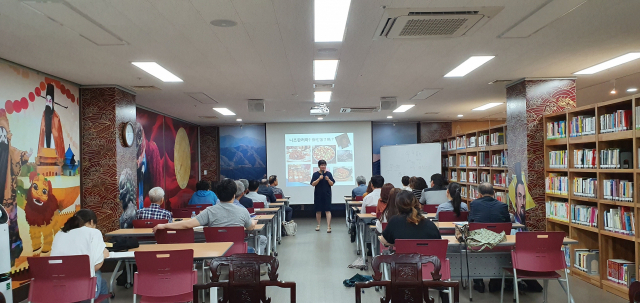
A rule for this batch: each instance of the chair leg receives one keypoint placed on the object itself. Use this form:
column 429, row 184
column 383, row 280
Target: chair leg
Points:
column 451, row 290
column 545, row 284
column 567, row 290
column 515, row 286
column 134, row 298
column 502, row 287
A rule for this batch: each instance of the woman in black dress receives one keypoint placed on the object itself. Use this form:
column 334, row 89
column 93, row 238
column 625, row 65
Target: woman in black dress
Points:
column 322, row 180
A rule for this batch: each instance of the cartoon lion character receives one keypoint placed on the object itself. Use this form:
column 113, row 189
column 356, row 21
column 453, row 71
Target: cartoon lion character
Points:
column 40, row 209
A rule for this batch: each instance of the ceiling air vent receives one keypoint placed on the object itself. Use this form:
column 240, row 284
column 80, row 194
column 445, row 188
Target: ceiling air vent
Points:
column 145, row 87
column 208, row 117
column 433, row 22
column 431, row 113
column 359, row 110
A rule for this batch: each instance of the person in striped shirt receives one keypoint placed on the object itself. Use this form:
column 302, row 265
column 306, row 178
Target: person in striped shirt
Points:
column 155, row 210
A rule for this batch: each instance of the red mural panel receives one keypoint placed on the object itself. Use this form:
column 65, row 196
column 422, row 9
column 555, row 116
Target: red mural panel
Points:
column 209, row 153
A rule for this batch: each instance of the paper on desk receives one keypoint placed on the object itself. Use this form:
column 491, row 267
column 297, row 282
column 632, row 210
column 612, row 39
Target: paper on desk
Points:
column 124, row 254
column 198, row 228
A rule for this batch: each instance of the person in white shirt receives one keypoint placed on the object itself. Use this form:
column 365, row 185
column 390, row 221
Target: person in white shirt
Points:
column 405, row 183
column 254, row 195
column 372, row 198
column 79, row 236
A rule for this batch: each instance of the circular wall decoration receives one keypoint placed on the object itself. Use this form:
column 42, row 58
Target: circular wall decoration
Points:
column 127, row 135
column 182, row 158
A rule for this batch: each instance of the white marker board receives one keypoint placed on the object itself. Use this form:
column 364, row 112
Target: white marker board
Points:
column 420, row 160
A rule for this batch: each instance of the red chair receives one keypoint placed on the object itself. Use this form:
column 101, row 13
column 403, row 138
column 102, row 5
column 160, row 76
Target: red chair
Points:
column 436, row 248
column 150, row 223
column 62, row 279
column 537, row 255
column 359, row 198
column 370, row 209
column 430, row 208
column 449, row 216
column 494, row 227
column 183, row 212
column 164, row 276
column 279, row 196
column 251, row 210
column 233, row 234
column 199, row 207
column 258, row 204
column 175, row 236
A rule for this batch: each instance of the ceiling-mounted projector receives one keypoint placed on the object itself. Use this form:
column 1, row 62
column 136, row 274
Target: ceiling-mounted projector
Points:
column 321, row 110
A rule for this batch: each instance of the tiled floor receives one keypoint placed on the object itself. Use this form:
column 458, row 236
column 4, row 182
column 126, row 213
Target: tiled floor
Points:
column 318, row 262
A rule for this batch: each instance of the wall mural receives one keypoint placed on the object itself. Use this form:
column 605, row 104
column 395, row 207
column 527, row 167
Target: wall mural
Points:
column 39, row 159
column 209, row 153
column 166, row 157
column 434, row 131
column 390, row 134
column 243, row 152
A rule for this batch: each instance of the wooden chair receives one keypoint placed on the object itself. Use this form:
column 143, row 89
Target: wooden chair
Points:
column 244, row 284
column 406, row 284
column 634, row 292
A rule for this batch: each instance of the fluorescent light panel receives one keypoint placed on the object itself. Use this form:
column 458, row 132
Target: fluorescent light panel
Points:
column 330, row 19
column 389, row 117
column 468, row 66
column 325, row 69
column 631, row 90
column 224, row 111
column 403, row 108
column 157, row 71
column 322, row 97
column 487, row 106
column 609, row 64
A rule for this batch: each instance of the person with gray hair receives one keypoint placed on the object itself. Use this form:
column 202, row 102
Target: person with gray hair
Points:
column 361, row 189
column 245, row 182
column 240, row 198
column 265, row 190
column 155, row 211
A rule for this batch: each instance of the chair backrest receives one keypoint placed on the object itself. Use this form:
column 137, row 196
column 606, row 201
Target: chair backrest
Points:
column 258, row 204
column 436, row 248
column 634, row 292
column 359, row 198
column 384, row 225
column 370, row 209
column 233, row 234
column 538, row 251
column 430, row 208
column 61, row 279
column 449, row 216
column 251, row 210
column 279, row 196
column 199, row 207
column 183, row 212
column 175, row 236
column 406, row 278
column 148, row 223
column 164, row 273
column 494, row 227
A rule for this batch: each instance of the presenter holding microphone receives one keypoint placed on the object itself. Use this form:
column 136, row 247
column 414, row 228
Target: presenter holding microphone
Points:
column 322, row 180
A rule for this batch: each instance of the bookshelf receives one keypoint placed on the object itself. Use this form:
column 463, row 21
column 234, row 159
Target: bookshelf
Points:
column 596, row 147
column 475, row 155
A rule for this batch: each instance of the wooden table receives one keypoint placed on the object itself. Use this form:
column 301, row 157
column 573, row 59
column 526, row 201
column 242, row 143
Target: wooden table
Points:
column 148, row 232
column 510, row 241
column 275, row 227
column 281, row 215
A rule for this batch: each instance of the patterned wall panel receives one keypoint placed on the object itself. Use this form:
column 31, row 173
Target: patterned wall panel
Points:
column 527, row 102
column 209, row 153
column 434, row 131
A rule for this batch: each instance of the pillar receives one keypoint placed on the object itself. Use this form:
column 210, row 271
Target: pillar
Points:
column 209, row 153
column 527, row 101
column 108, row 167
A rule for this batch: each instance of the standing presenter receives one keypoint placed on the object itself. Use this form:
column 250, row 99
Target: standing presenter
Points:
column 322, row 180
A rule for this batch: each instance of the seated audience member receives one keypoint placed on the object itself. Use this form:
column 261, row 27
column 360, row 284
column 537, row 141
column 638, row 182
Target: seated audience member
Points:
column 437, row 193
column 213, row 185
column 418, row 186
column 368, row 191
column 405, row 183
column 223, row 214
column 253, row 193
column 155, row 211
column 245, row 182
column 265, row 190
column 372, row 198
column 241, row 200
column 391, row 209
column 455, row 203
column 361, row 189
column 203, row 195
column 384, row 199
column 79, row 236
column 273, row 183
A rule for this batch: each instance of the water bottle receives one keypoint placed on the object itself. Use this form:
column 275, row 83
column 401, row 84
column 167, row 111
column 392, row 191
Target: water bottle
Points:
column 193, row 214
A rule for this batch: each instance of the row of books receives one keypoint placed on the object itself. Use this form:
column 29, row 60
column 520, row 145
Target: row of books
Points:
column 620, row 220
column 451, row 145
column 471, row 141
column 556, row 184
column 463, row 176
column 585, row 187
column 501, row 196
column 617, row 190
column 614, row 158
column 453, row 176
column 473, row 177
column 484, row 177
column 497, row 138
column 621, row 271
column 463, row 161
column 587, row 260
column 558, row 159
column 584, row 215
column 582, row 126
column 483, row 140
column 500, row 179
column 556, row 130
column 451, row 161
column 615, row 122
column 499, row 160
column 484, row 159
column 461, row 142
column 584, row 158
column 445, row 162
column 637, row 117
column 473, row 192
column 472, row 161
column 558, row 210
column 463, row 191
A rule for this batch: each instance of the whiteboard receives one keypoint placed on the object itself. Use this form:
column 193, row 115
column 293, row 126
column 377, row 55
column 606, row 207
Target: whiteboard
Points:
column 420, row 160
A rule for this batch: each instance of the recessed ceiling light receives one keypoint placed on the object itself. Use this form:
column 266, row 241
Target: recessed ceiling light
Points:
column 609, row 64
column 389, row 117
column 224, row 111
column 459, row 115
column 330, row 19
column 487, row 106
column 325, row 69
column 322, row 97
column 403, row 108
column 239, row 120
column 613, row 91
column 467, row 66
column 223, row 23
column 157, row 71
column 633, row 89
column 320, row 118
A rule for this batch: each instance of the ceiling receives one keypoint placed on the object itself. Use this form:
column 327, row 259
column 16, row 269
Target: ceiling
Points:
column 269, row 55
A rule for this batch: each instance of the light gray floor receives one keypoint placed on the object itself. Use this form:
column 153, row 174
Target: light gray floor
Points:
column 318, row 262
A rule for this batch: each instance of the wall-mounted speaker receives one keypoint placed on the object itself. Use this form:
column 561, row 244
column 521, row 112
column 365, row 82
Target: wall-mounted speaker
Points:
column 256, row 106
column 388, row 103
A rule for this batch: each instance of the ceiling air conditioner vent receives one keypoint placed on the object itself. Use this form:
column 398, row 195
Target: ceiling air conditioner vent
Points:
column 433, row 22
column 359, row 110
column 145, row 87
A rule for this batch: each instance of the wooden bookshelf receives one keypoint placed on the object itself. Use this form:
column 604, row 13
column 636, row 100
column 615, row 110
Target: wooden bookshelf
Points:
column 463, row 168
column 611, row 245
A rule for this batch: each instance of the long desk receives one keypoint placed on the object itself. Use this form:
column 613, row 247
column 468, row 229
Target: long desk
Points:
column 270, row 234
column 281, row 214
column 275, row 211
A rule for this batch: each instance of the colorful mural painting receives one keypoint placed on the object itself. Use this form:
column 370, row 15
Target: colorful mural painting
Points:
column 39, row 158
column 243, row 152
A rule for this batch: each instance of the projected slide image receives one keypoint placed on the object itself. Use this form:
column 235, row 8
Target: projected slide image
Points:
column 325, row 152
column 299, row 173
column 345, row 156
column 299, row 153
column 343, row 173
